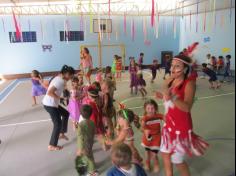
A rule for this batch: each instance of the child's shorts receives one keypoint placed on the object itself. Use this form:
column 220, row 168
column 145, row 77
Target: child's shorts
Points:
column 178, row 155
column 213, row 79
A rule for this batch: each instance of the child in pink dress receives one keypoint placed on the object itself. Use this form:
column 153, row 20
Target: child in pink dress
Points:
column 74, row 102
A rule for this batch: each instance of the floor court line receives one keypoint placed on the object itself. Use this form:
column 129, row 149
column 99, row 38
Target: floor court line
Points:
column 47, row 120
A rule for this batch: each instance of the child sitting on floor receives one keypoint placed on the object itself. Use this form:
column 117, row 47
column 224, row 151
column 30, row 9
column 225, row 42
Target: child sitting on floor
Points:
column 38, row 87
column 125, row 133
column 85, row 140
column 121, row 156
column 213, row 77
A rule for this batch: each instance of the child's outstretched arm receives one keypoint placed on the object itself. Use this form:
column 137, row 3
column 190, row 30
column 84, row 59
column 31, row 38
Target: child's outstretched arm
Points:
column 120, row 138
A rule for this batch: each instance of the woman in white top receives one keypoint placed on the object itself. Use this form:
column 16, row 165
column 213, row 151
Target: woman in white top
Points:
column 51, row 104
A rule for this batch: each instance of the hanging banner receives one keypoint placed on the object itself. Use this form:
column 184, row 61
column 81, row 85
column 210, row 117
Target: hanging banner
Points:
column 17, row 27
column 153, row 13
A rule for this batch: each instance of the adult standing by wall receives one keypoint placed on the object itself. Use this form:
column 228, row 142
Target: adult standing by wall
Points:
column 178, row 138
column 86, row 64
column 51, row 104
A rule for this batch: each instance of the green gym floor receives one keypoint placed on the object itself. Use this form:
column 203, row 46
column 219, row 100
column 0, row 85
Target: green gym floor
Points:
column 25, row 132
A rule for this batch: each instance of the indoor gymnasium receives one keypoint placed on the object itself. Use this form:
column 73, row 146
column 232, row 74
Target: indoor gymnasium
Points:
column 117, row 88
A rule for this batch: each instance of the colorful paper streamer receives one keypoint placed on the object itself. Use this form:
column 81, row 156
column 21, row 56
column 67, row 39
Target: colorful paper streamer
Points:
column 125, row 23
column 132, row 29
column 205, row 18
column 3, row 25
column 153, row 13
column 17, row 27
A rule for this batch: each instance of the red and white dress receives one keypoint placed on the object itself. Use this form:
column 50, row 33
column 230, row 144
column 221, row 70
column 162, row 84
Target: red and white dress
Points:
column 177, row 133
column 153, row 124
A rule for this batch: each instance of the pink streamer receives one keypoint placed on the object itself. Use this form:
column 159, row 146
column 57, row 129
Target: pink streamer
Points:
column 3, row 25
column 153, row 13
column 125, row 24
column 109, row 6
column 17, row 27
column 132, row 30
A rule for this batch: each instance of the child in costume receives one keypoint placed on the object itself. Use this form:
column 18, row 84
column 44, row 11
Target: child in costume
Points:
column 213, row 77
column 85, row 140
column 94, row 100
column 108, row 109
column 113, row 67
column 151, row 140
column 118, row 67
column 133, row 70
column 121, row 156
column 154, row 68
column 141, row 84
column 38, row 88
column 220, row 65
column 125, row 133
column 74, row 102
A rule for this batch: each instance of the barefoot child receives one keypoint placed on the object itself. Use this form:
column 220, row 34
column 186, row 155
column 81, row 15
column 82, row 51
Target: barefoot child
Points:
column 37, row 86
column 121, row 156
column 85, row 140
column 125, row 133
column 74, row 102
column 151, row 127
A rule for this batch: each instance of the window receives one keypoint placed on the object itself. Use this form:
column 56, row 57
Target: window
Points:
column 25, row 37
column 72, row 36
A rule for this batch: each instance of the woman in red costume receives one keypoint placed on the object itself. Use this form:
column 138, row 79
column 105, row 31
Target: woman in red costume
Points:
column 178, row 138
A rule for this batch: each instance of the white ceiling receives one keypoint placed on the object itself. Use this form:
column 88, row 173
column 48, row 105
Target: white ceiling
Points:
column 118, row 7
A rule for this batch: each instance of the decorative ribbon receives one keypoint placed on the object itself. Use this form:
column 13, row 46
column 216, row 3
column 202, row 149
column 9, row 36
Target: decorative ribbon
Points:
column 205, row 18
column 109, row 6
column 125, row 23
column 124, row 111
column 42, row 30
column 153, row 13
column 90, row 16
column 197, row 16
column 231, row 7
column 158, row 20
column 17, row 27
column 132, row 30
column 3, row 25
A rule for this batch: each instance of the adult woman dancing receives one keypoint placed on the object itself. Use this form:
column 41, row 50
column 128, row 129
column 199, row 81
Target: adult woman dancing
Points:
column 87, row 64
column 51, row 105
column 178, row 138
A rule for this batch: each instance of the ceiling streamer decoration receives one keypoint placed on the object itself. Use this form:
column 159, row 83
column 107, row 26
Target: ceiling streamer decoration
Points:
column 205, row 18
column 231, row 11
column 190, row 21
column 90, row 16
column 42, row 29
column 17, row 26
column 158, row 21
column 153, row 13
column 197, row 16
column 29, row 25
column 133, row 29
column 3, row 25
column 125, row 23
column 109, row 6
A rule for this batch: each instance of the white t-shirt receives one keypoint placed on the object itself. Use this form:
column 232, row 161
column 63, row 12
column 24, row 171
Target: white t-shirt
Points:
column 131, row 172
column 59, row 84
